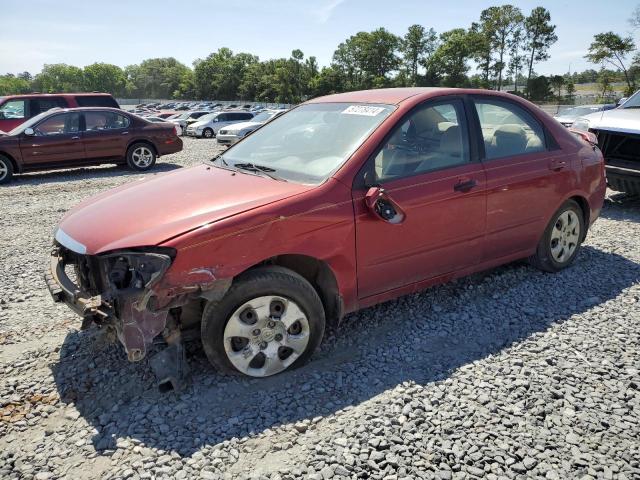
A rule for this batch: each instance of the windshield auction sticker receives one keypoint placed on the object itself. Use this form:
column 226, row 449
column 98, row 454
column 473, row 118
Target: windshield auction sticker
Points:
column 365, row 110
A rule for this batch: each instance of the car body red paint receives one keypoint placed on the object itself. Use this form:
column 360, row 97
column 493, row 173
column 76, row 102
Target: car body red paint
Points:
column 223, row 223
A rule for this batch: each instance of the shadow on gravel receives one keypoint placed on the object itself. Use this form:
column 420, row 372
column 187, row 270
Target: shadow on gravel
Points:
column 422, row 338
column 85, row 173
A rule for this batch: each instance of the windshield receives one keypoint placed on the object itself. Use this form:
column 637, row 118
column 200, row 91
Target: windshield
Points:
column 207, row 117
column 309, row 143
column 633, row 101
column 578, row 111
column 262, row 117
column 29, row 123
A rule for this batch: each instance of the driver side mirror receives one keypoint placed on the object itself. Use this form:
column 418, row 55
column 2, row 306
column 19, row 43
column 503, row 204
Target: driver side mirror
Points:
column 30, row 132
column 382, row 206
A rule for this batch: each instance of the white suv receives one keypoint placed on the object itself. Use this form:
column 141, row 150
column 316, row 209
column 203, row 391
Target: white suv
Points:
column 208, row 125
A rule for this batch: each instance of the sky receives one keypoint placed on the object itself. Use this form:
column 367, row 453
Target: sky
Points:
column 122, row 32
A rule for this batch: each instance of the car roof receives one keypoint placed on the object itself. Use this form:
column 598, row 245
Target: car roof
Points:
column 33, row 95
column 396, row 96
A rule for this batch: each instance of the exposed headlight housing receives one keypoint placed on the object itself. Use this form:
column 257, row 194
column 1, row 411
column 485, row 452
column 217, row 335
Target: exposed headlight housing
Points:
column 137, row 270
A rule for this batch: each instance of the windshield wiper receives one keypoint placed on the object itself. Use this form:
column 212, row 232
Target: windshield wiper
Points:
column 252, row 167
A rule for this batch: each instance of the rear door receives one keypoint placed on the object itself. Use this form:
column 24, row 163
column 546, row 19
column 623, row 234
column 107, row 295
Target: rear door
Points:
column 57, row 141
column 429, row 170
column 106, row 134
column 525, row 174
column 39, row 105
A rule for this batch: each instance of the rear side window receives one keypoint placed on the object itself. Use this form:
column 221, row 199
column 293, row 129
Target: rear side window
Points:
column 246, row 116
column 39, row 105
column 96, row 121
column 13, row 109
column 96, row 101
column 508, row 129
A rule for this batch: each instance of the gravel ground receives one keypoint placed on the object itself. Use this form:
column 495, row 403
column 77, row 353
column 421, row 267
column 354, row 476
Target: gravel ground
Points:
column 508, row 374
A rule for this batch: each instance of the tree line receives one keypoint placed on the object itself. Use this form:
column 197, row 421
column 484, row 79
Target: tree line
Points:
column 504, row 45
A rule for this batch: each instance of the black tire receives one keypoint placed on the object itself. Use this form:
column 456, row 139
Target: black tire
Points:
column 134, row 153
column 543, row 259
column 208, row 133
column 262, row 281
column 6, row 169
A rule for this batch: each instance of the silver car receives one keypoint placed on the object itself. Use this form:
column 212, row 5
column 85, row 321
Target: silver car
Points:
column 209, row 125
column 231, row 135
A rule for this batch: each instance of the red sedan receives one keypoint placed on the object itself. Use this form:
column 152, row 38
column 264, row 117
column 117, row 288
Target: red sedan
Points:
column 341, row 203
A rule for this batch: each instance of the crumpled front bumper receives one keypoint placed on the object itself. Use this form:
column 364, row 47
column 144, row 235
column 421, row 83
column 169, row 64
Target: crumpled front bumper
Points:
column 63, row 289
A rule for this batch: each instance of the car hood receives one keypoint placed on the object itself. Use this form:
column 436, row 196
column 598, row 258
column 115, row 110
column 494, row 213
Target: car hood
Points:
column 625, row 120
column 236, row 127
column 198, row 123
column 149, row 212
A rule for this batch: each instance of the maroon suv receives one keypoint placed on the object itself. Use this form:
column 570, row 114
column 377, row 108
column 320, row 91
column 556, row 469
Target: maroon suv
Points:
column 17, row 109
column 64, row 138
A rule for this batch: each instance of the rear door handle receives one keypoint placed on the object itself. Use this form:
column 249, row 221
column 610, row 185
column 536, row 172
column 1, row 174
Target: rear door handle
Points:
column 465, row 185
column 557, row 164
column 125, row 133
column 75, row 138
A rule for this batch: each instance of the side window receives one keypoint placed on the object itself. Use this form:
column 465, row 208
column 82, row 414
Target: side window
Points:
column 432, row 138
column 39, row 105
column 508, row 129
column 96, row 101
column 13, row 109
column 223, row 117
column 96, row 121
column 59, row 125
column 246, row 116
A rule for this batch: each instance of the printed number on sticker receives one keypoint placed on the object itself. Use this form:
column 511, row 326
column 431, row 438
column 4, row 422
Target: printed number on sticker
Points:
column 363, row 110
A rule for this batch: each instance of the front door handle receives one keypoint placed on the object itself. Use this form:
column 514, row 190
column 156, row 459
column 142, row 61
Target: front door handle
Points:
column 75, row 138
column 465, row 185
column 125, row 133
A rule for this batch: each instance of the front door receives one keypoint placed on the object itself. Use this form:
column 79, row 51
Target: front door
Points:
column 57, row 140
column 429, row 174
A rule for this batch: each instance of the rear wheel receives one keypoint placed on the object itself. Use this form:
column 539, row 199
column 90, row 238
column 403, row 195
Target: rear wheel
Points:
column 561, row 240
column 207, row 133
column 6, row 169
column 270, row 320
column 141, row 157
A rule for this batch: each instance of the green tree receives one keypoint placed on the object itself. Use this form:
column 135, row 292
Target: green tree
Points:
column 500, row 23
column 516, row 56
column 539, row 89
column 156, row 78
column 604, row 80
column 220, row 75
column 571, row 91
column 12, row 85
column 612, row 49
column 417, row 46
column 59, row 77
column 479, row 37
column 539, row 35
column 557, row 82
column 104, row 77
column 451, row 57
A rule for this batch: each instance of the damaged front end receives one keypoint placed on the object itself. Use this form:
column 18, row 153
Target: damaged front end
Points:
column 124, row 291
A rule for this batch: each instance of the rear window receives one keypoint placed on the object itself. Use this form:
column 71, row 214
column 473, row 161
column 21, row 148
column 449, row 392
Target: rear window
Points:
column 96, row 101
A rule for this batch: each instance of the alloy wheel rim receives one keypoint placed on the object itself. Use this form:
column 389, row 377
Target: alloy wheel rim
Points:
column 265, row 335
column 4, row 170
column 565, row 235
column 142, row 157
column 208, row 134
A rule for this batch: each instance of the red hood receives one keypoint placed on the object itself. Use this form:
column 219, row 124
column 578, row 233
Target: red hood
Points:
column 151, row 211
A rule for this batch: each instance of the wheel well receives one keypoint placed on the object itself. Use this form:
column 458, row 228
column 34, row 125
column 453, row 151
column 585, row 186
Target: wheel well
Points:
column 14, row 164
column 146, row 142
column 319, row 274
column 584, row 206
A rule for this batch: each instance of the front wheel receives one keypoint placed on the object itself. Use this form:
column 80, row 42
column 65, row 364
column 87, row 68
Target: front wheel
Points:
column 270, row 320
column 207, row 133
column 561, row 240
column 6, row 169
column 141, row 157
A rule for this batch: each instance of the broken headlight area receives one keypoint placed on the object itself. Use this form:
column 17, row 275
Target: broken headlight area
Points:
column 115, row 290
